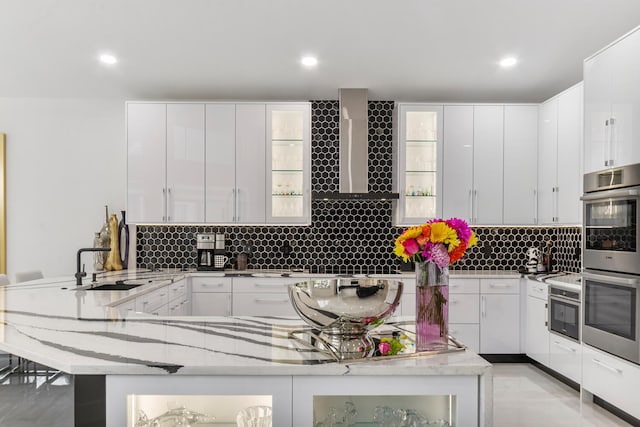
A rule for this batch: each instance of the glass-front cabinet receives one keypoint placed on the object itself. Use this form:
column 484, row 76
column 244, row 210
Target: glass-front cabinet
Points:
column 418, row 162
column 288, row 163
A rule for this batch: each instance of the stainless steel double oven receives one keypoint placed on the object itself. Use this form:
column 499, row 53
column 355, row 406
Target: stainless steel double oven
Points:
column 611, row 258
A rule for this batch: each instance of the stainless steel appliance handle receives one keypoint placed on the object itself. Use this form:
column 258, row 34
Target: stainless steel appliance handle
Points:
column 611, row 279
column 610, row 194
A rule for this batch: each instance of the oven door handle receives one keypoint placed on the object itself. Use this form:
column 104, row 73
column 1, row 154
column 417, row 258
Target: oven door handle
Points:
column 609, row 194
column 611, row 279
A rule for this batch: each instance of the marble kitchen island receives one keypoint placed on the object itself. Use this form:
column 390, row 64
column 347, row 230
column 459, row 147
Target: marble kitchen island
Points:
column 113, row 356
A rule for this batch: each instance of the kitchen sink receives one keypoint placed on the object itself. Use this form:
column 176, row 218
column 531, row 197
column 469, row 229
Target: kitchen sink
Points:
column 118, row 286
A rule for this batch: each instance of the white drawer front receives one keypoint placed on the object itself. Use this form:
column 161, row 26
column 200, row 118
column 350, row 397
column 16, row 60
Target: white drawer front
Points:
column 467, row 334
column 537, row 289
column 148, row 303
column 500, row 286
column 211, row 284
column 464, row 308
column 179, row 307
column 252, row 285
column 160, row 311
column 211, row 304
column 464, row 286
column 611, row 379
column 565, row 357
column 262, row 304
column 407, row 305
column 177, row 289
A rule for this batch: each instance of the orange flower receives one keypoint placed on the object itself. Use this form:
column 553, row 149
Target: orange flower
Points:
column 458, row 252
column 424, row 237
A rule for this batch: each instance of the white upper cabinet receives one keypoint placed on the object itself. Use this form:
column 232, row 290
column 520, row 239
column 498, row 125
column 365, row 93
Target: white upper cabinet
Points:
column 488, row 124
column 418, row 163
column 458, row 162
column 520, row 164
column 185, row 163
column 250, row 197
column 208, row 163
column 146, row 150
column 220, row 163
column 559, row 148
column 612, row 105
column 165, row 168
column 570, row 137
column 473, row 163
column 548, row 161
column 288, row 163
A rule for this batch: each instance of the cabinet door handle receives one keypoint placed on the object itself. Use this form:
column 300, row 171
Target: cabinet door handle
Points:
column 475, row 209
column 564, row 347
column 499, row 285
column 535, row 206
column 484, row 306
column 604, row 365
column 470, row 205
column 212, row 285
column 164, row 205
column 169, row 206
column 233, row 192
column 237, row 204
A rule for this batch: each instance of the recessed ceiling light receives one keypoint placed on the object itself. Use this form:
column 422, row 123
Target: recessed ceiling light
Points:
column 309, row 61
column 508, row 62
column 108, row 59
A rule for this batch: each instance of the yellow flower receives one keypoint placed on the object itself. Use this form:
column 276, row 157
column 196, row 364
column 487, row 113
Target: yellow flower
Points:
column 441, row 232
column 452, row 244
column 473, row 240
column 399, row 251
column 410, row 233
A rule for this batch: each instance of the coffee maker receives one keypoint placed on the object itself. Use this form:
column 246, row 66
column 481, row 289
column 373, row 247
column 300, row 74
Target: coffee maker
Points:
column 211, row 252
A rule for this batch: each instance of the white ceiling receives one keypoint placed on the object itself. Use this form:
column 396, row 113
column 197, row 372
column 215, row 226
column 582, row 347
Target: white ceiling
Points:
column 406, row 50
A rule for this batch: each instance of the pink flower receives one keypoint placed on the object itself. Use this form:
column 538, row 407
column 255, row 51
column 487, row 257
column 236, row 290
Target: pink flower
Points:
column 384, row 348
column 461, row 227
column 411, row 246
column 438, row 255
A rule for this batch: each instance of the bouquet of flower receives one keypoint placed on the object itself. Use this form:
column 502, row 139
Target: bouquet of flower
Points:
column 442, row 242
column 436, row 243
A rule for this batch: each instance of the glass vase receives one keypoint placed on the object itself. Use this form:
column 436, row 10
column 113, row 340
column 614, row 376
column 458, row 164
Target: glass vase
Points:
column 432, row 307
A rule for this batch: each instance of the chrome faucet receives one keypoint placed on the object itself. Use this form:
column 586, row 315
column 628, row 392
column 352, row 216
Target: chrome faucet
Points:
column 81, row 273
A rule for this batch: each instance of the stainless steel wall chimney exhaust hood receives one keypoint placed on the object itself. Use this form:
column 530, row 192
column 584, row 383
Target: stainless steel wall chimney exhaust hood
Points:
column 354, row 150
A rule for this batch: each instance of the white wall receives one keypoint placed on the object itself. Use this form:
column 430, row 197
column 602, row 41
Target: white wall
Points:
column 66, row 159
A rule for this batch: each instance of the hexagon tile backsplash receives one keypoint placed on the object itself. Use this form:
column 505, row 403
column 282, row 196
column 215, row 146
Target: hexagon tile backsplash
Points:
column 349, row 236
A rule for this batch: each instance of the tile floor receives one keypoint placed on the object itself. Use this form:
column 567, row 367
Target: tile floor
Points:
column 524, row 396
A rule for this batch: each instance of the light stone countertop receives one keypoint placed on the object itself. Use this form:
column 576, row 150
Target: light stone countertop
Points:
column 52, row 322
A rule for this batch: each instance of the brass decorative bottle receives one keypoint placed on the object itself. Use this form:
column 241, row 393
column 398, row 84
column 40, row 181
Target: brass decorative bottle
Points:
column 113, row 260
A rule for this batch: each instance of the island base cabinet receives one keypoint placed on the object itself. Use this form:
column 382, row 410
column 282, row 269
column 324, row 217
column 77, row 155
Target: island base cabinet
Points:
column 219, row 396
column 611, row 379
column 453, row 399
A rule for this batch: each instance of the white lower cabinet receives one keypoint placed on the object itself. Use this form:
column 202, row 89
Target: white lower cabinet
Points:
column 565, row 357
column 262, row 296
column 211, row 296
column 537, row 332
column 500, row 316
column 464, row 312
column 612, row 379
column 154, row 302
